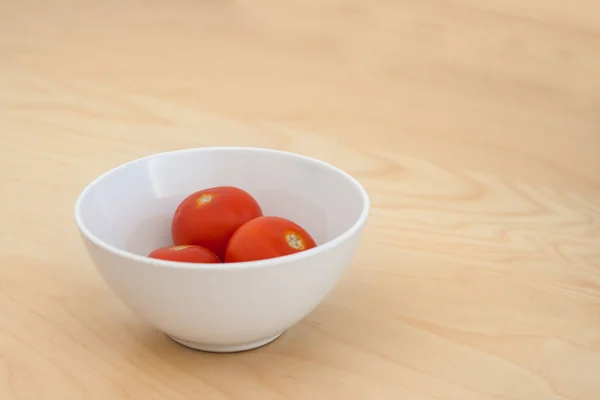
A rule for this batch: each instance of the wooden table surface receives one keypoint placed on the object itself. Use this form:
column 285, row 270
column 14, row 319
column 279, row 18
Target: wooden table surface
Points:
column 474, row 125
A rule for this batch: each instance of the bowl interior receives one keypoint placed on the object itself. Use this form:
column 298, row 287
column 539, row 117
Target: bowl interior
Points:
column 131, row 206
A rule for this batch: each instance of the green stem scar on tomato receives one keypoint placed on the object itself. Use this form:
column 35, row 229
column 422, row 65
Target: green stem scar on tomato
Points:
column 205, row 198
column 294, row 241
column 267, row 237
column 194, row 254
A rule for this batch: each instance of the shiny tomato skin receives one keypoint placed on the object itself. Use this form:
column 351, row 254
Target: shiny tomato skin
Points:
column 267, row 237
column 209, row 217
column 193, row 254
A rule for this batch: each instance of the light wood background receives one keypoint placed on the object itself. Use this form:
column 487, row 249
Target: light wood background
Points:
column 474, row 124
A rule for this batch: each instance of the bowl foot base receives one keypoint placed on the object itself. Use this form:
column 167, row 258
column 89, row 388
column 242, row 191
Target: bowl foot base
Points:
column 217, row 348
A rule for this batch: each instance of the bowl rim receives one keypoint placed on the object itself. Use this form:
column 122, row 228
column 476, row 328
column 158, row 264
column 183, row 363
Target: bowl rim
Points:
column 356, row 226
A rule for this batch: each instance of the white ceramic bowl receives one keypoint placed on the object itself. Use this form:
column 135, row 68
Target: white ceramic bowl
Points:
column 126, row 213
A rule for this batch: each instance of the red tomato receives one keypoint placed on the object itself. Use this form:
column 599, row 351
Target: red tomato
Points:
column 209, row 217
column 195, row 254
column 267, row 237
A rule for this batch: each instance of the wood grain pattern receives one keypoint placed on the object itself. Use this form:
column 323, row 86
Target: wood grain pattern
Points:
column 475, row 126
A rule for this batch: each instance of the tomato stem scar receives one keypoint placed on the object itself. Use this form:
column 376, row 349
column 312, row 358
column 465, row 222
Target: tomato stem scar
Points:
column 205, row 198
column 294, row 240
column 177, row 248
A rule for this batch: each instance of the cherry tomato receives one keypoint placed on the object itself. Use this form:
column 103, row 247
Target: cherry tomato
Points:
column 267, row 237
column 209, row 217
column 195, row 254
